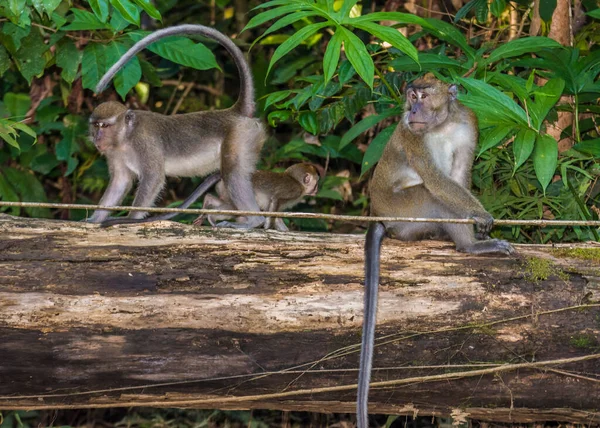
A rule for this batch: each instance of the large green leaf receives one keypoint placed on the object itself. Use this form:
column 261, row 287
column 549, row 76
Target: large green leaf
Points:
column 491, row 137
column 523, row 146
column 376, row 147
column 68, row 57
column 545, row 98
column 308, row 120
column 332, row 55
column 148, row 7
column 8, row 133
column 128, row 10
column 497, row 100
column 590, row 147
column 93, row 65
column 263, row 17
column 182, row 51
column 84, row 20
column 545, row 159
column 520, row 46
column 17, row 104
column 359, row 57
column 31, row 58
column 131, row 73
column 392, row 36
column 297, row 38
column 284, row 22
column 547, row 9
column 50, row 6
column 100, row 9
column 365, row 124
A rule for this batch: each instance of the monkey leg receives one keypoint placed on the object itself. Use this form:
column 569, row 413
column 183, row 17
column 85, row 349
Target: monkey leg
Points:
column 239, row 154
column 464, row 238
column 148, row 190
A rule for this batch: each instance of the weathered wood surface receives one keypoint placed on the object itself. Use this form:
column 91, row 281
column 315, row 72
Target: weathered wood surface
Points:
column 172, row 315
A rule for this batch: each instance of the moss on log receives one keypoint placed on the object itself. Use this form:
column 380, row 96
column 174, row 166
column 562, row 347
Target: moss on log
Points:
column 172, row 315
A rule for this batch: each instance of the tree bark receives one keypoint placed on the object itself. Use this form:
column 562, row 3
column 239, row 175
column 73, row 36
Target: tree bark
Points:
column 170, row 315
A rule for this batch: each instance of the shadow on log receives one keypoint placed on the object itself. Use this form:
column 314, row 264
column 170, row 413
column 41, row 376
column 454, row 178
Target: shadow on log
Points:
column 170, row 315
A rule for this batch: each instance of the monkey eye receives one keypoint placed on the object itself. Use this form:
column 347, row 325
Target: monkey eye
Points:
column 423, row 96
column 413, row 96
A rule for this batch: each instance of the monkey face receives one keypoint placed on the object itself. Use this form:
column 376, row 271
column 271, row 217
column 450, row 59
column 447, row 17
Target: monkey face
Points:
column 101, row 134
column 427, row 102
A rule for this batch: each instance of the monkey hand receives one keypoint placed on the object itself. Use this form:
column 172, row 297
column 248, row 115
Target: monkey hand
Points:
column 483, row 223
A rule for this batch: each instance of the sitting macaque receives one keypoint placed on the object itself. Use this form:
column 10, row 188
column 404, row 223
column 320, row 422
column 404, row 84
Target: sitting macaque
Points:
column 274, row 191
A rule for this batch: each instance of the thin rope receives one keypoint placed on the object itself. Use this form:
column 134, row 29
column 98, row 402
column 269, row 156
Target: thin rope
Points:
column 195, row 211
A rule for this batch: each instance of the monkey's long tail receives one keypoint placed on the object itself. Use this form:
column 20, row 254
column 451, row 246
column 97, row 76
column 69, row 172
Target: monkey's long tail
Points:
column 210, row 181
column 245, row 102
column 373, row 242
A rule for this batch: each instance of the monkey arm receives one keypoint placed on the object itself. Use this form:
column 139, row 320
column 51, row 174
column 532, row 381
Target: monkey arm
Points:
column 120, row 182
column 373, row 243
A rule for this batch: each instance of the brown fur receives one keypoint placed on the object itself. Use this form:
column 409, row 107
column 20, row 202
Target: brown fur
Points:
column 274, row 191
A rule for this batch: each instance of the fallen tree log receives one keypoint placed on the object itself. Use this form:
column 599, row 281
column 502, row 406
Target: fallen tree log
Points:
column 170, row 315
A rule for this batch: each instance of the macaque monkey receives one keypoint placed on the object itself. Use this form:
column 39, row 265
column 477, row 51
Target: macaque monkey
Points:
column 274, row 191
column 149, row 146
column 425, row 171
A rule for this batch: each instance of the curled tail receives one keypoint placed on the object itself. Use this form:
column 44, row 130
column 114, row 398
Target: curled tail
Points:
column 373, row 242
column 244, row 104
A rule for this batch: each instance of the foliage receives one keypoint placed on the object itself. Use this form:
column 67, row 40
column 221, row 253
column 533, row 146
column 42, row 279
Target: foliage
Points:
column 329, row 76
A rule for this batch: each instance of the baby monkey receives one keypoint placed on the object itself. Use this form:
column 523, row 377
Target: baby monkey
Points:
column 274, row 191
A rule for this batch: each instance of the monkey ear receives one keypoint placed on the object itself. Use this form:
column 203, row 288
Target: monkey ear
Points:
column 306, row 178
column 129, row 115
column 452, row 91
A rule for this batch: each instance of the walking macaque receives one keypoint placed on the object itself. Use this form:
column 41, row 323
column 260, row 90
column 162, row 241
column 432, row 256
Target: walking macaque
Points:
column 274, row 191
column 425, row 171
column 149, row 146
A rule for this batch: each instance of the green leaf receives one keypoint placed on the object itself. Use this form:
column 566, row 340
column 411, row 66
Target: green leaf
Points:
column 50, row 6
column 523, row 146
column 30, row 57
column 149, row 8
column 594, row 13
column 547, row 9
column 590, row 147
column 117, row 22
column 4, row 60
column 427, row 61
column 278, row 116
column 24, row 128
column 375, row 149
column 308, row 120
column 466, row 8
column 182, row 51
column 545, row 98
column 84, row 20
column 17, row 104
column 481, row 12
column 332, row 56
column 497, row 7
column 29, row 188
column 359, row 57
column 263, row 17
column 520, row 46
column 347, row 72
column 501, row 104
column 93, row 65
column 392, row 36
column 68, row 57
column 297, row 38
column 276, row 3
column 131, row 73
column 283, row 22
column 545, row 159
column 100, row 8
column 491, row 137
column 276, row 97
column 365, row 124
column 7, row 133
column 449, row 33
column 15, row 33
column 128, row 10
